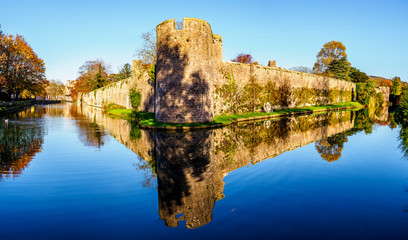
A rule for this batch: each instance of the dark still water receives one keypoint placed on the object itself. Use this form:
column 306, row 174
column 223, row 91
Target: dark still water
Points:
column 69, row 172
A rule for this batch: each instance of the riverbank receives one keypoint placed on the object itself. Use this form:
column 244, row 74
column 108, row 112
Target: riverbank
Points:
column 147, row 121
column 9, row 107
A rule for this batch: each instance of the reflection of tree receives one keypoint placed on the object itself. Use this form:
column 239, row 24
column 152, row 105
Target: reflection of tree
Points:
column 403, row 137
column 363, row 121
column 148, row 169
column 90, row 133
column 330, row 148
column 18, row 145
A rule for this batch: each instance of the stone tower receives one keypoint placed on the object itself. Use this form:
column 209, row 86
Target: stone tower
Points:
column 186, row 59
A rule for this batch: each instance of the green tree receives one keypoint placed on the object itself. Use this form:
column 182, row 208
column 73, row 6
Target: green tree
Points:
column 357, row 76
column 396, row 86
column 330, row 51
column 340, row 69
column 124, row 72
column 401, row 113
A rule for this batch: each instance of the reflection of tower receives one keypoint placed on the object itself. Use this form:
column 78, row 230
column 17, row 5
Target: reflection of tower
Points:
column 186, row 59
column 188, row 183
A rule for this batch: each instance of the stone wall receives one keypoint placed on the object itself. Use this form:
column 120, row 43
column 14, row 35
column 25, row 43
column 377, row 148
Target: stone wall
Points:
column 118, row 92
column 240, row 88
column 193, row 84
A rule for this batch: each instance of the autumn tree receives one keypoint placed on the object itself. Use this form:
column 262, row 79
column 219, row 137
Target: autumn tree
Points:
column 55, row 88
column 20, row 67
column 330, row 51
column 244, row 58
column 330, row 148
column 148, row 51
column 92, row 75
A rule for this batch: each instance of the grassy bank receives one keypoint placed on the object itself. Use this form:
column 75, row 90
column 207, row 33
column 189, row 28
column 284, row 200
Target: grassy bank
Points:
column 147, row 119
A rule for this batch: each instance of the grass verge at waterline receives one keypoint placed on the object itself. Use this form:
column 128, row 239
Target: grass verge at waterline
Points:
column 147, row 121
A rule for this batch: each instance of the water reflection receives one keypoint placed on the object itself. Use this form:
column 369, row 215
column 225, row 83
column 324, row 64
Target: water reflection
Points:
column 21, row 137
column 188, row 169
column 330, row 148
column 188, row 181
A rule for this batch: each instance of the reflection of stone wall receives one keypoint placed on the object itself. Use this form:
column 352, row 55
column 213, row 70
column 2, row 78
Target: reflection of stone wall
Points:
column 191, row 166
column 121, row 130
column 385, row 92
column 188, row 181
column 383, row 117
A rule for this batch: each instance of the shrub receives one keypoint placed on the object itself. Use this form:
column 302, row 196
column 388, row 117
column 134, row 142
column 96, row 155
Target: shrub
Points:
column 135, row 132
column 135, row 98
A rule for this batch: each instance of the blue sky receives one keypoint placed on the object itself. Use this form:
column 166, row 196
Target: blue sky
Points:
column 67, row 33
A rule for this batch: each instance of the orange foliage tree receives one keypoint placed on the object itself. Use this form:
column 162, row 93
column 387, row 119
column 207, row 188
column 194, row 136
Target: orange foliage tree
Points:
column 92, row 75
column 244, row 58
column 20, row 67
column 331, row 51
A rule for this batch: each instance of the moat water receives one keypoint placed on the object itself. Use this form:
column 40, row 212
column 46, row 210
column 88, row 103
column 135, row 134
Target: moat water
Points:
column 69, row 172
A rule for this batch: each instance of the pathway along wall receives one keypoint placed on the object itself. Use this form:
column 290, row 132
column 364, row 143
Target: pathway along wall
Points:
column 193, row 84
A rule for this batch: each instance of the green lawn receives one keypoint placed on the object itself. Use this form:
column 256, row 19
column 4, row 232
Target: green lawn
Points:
column 147, row 119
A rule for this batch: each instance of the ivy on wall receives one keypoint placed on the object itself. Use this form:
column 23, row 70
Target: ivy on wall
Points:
column 278, row 92
column 135, row 98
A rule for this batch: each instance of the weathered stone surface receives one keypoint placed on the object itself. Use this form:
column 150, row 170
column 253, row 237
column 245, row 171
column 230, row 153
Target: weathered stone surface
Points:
column 194, row 84
column 184, row 71
column 118, row 92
